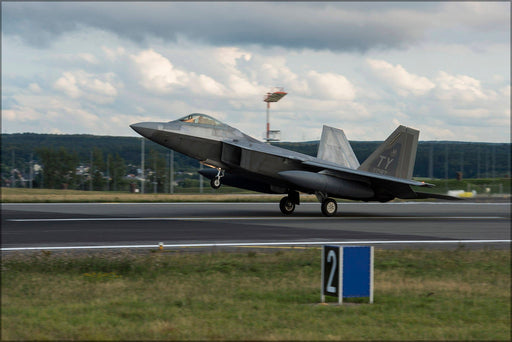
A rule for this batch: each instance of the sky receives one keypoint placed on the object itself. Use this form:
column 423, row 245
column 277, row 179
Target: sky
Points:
column 364, row 67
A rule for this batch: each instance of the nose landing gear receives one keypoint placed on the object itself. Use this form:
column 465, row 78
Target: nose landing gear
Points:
column 215, row 183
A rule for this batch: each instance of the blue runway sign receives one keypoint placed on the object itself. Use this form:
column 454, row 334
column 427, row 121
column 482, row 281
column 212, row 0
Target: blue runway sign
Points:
column 356, row 271
column 347, row 272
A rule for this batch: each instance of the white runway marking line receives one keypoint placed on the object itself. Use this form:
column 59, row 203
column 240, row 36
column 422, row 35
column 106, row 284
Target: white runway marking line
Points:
column 252, row 203
column 256, row 244
column 265, row 218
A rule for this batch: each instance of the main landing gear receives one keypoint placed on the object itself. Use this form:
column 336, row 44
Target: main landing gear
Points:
column 215, row 183
column 329, row 206
column 287, row 204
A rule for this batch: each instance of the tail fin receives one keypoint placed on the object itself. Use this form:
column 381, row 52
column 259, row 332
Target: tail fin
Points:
column 334, row 147
column 396, row 156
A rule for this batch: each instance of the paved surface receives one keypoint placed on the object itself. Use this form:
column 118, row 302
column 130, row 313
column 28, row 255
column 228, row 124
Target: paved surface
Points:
column 58, row 225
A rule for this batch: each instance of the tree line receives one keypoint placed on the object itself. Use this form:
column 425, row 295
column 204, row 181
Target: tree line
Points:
column 106, row 163
column 62, row 169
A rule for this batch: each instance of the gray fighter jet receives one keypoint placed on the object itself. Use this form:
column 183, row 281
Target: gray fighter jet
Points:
column 239, row 160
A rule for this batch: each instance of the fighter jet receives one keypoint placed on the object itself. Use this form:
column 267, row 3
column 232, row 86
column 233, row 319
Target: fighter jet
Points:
column 238, row 160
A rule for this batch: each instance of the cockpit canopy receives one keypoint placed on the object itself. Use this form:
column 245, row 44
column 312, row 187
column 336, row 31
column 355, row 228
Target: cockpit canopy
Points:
column 201, row 119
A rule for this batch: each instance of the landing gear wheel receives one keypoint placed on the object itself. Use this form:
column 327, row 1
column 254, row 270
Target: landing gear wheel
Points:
column 215, row 183
column 286, row 205
column 329, row 207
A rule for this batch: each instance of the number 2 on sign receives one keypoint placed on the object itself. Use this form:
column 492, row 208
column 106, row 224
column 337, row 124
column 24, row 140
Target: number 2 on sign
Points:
column 331, row 256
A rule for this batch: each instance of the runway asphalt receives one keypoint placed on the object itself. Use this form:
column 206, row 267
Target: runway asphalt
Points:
column 89, row 225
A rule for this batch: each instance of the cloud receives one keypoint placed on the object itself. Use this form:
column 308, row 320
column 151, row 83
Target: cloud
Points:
column 102, row 66
column 461, row 88
column 97, row 88
column 208, row 85
column 477, row 15
column 113, row 54
column 242, row 88
column 83, row 117
column 157, row 72
column 437, row 132
column 68, row 84
column 506, row 92
column 330, row 86
column 399, row 79
column 464, row 102
column 21, row 114
column 228, row 56
column 271, row 71
column 334, row 26
column 88, row 57
column 48, row 112
column 34, row 87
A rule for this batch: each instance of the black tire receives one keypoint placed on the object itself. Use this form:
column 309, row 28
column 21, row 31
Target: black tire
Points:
column 329, row 207
column 215, row 183
column 286, row 205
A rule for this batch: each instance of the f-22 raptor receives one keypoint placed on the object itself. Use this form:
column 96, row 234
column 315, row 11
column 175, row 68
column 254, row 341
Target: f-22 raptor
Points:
column 239, row 160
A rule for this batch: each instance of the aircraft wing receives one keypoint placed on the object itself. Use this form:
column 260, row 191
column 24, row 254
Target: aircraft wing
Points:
column 332, row 168
column 268, row 149
column 386, row 185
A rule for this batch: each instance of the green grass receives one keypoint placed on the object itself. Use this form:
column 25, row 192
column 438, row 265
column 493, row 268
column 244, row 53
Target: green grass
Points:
column 19, row 195
column 224, row 194
column 419, row 294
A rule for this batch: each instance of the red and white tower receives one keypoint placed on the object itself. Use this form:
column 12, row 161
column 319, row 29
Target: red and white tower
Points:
column 274, row 95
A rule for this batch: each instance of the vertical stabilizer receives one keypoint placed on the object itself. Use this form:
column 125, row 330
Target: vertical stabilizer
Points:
column 396, row 156
column 334, row 147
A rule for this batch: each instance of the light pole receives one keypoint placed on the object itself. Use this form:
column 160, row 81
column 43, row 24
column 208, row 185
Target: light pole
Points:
column 275, row 95
column 142, row 166
column 171, row 171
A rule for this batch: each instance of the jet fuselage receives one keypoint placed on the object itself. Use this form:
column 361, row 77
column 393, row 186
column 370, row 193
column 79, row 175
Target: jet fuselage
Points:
column 222, row 146
column 244, row 162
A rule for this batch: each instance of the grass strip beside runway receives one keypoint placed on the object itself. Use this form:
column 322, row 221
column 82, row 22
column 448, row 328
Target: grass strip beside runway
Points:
column 224, row 194
column 16, row 195
column 152, row 295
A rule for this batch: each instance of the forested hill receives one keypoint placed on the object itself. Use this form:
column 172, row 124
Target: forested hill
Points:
column 439, row 159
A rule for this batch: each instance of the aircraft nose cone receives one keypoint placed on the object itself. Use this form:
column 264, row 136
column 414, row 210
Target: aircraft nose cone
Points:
column 146, row 129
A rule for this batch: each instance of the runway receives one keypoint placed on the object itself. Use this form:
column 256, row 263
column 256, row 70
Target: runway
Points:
column 108, row 225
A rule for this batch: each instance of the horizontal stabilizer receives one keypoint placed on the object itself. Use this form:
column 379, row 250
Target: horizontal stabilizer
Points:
column 335, row 148
column 438, row 196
